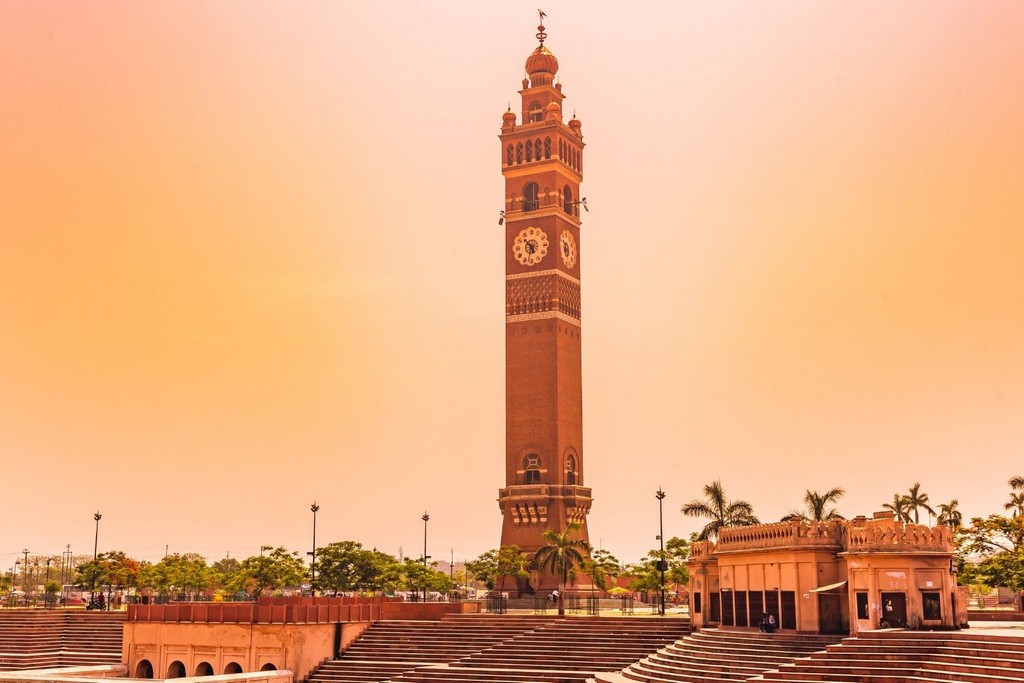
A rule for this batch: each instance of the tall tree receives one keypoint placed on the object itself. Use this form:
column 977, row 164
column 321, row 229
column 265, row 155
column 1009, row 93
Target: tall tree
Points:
column 1016, row 503
column 949, row 515
column 561, row 555
column 1016, row 482
column 900, row 507
column 916, row 501
column 817, row 505
column 720, row 510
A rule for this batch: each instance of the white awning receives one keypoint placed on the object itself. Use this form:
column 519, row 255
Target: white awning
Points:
column 831, row 586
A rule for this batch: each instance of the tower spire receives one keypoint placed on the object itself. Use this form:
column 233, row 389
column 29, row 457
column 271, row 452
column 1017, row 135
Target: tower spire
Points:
column 540, row 29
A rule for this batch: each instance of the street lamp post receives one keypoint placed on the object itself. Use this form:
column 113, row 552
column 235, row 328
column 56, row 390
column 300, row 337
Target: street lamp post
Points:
column 425, row 518
column 660, row 495
column 24, row 576
column 314, row 508
column 95, row 555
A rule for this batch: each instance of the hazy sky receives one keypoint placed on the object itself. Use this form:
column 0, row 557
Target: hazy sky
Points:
column 249, row 258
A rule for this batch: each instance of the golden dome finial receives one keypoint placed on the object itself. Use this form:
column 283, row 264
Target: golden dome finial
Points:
column 540, row 29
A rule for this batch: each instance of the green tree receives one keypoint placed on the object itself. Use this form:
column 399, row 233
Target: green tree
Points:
column 184, row 575
column 720, row 510
column 997, row 543
column 561, row 555
column 917, row 501
column 273, row 572
column 817, row 505
column 485, row 568
column 495, row 566
column 949, row 515
column 222, row 572
column 347, row 566
column 900, row 507
column 600, row 566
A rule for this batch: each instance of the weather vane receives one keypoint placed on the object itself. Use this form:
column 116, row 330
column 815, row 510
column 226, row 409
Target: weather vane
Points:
column 540, row 29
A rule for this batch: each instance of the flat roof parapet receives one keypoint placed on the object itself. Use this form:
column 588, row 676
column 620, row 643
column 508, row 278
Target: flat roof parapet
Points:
column 780, row 535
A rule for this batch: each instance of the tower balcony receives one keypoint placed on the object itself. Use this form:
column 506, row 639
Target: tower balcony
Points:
column 527, row 504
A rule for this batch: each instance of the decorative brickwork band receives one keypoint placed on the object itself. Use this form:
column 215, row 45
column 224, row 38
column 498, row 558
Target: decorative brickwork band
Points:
column 542, row 294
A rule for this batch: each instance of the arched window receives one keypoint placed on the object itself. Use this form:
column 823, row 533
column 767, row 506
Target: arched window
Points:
column 535, row 113
column 268, row 667
column 233, row 668
column 144, row 669
column 570, row 469
column 531, row 198
column 567, row 200
column 509, row 155
column 176, row 670
column 537, row 148
column 561, row 150
column 547, row 148
column 529, row 150
column 204, row 669
column 519, row 153
column 531, row 469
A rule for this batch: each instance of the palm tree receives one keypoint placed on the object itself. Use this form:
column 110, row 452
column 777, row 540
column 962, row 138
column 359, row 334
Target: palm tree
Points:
column 917, row 500
column 1017, row 482
column 900, row 507
column 949, row 515
column 817, row 502
column 721, row 511
column 1016, row 503
column 562, row 555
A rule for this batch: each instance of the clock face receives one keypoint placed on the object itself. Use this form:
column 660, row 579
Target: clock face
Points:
column 568, row 249
column 530, row 246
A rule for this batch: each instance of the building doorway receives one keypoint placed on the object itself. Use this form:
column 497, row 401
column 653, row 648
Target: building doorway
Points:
column 830, row 614
column 894, row 610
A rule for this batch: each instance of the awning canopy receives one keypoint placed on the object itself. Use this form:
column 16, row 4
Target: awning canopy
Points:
column 831, row 586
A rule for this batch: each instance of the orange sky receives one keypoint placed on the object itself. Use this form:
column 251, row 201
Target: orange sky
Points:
column 249, row 257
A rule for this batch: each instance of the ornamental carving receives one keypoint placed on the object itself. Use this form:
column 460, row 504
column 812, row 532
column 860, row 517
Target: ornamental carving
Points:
column 541, row 294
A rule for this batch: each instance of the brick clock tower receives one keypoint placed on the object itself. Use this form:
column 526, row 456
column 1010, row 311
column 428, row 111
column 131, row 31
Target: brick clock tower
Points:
column 542, row 162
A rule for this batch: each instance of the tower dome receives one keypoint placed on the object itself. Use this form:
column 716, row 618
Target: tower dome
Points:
column 541, row 62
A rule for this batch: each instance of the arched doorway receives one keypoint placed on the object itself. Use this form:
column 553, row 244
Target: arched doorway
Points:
column 144, row 669
column 204, row 669
column 233, row 668
column 268, row 667
column 176, row 670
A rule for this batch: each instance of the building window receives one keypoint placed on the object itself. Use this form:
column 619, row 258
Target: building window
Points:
column 932, row 606
column 531, row 469
column 531, row 197
column 529, row 150
column 567, row 200
column 535, row 113
column 519, row 153
column 696, row 602
column 547, row 148
column 570, row 470
column 509, row 155
column 862, row 605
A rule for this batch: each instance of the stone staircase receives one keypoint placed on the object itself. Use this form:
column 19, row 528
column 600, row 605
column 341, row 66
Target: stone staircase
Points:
column 719, row 655
column 899, row 656
column 35, row 639
column 498, row 649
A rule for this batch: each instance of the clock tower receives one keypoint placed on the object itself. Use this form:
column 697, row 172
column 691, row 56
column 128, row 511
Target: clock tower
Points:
column 542, row 162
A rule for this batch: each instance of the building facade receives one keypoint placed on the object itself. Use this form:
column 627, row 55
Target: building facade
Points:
column 542, row 163
column 833, row 577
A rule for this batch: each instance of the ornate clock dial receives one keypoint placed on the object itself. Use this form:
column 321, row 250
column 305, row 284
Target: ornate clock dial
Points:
column 568, row 249
column 530, row 246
